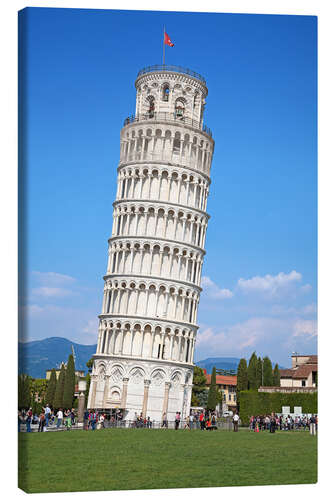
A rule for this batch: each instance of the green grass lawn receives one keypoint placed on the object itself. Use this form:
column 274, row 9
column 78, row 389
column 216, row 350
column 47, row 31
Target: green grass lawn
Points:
column 126, row 459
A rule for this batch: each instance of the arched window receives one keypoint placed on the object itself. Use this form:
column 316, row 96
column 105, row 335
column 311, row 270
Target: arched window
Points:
column 165, row 92
column 180, row 108
column 151, row 106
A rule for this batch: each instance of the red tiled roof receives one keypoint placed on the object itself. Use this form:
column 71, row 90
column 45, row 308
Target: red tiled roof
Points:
column 302, row 371
column 223, row 379
column 288, row 372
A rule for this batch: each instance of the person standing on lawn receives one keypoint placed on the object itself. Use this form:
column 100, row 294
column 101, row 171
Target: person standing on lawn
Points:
column 272, row 424
column 177, row 420
column 235, row 422
column 164, row 421
column 313, row 425
column 60, row 416
column 42, row 422
column 29, row 420
column 47, row 412
column 86, row 420
column 202, row 420
column 73, row 416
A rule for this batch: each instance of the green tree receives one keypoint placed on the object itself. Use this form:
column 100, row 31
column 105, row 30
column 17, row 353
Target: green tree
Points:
column 212, row 393
column 276, row 376
column 24, row 393
column 203, row 398
column 38, row 389
column 199, row 385
column 69, row 385
column 242, row 377
column 252, row 372
column 51, row 389
column 267, row 372
column 59, row 393
column 259, row 372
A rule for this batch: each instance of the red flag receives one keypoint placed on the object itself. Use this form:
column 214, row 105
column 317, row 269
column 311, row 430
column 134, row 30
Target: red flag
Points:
column 167, row 40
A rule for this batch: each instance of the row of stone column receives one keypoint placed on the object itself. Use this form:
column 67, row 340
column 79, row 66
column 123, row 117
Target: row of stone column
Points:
column 171, row 150
column 164, row 187
column 146, row 223
column 140, row 261
column 150, row 302
column 146, row 344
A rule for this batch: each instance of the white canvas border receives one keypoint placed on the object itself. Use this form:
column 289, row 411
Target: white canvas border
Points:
column 8, row 252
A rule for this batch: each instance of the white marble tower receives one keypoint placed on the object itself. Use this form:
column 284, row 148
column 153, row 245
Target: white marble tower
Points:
column 147, row 328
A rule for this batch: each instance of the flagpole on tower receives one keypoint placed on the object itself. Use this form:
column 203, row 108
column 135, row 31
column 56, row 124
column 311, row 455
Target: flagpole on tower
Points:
column 163, row 45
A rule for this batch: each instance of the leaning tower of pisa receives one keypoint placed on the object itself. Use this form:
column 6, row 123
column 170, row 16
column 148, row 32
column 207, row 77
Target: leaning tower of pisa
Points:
column 148, row 325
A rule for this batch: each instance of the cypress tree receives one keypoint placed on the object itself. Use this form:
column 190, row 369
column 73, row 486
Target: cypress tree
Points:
column 242, row 378
column 24, row 391
column 49, row 398
column 212, row 393
column 268, row 372
column 69, row 385
column 259, row 372
column 276, row 376
column 59, row 392
column 252, row 371
column 199, row 385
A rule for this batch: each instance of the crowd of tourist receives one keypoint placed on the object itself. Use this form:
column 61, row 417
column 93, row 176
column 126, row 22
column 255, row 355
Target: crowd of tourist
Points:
column 283, row 423
column 197, row 419
column 47, row 418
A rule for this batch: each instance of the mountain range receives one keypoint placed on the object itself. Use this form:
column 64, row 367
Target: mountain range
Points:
column 37, row 356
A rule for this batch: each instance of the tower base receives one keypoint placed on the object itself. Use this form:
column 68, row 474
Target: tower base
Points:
column 151, row 388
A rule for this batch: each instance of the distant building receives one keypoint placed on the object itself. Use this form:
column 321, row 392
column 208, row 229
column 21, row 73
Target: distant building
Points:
column 78, row 373
column 227, row 386
column 301, row 377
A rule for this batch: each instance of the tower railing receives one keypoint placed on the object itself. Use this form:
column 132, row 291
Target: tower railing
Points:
column 168, row 117
column 171, row 69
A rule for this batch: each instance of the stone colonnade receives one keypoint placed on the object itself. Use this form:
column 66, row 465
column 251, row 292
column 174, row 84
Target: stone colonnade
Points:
column 152, row 259
column 150, row 299
column 123, row 339
column 164, row 184
column 144, row 143
column 138, row 220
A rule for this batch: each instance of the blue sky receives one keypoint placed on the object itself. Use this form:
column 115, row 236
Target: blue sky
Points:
column 260, row 271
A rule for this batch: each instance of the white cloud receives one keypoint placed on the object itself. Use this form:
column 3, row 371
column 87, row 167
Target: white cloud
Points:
column 306, row 328
column 48, row 292
column 91, row 327
column 31, row 309
column 213, row 291
column 275, row 337
column 205, row 336
column 306, row 288
column 53, row 279
column 268, row 283
column 286, row 310
column 310, row 309
column 72, row 323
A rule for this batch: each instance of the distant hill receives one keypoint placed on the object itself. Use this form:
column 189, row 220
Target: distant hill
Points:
column 35, row 357
column 224, row 363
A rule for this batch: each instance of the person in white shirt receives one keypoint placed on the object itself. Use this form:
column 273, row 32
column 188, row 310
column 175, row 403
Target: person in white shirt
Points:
column 60, row 416
column 47, row 411
column 235, row 421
